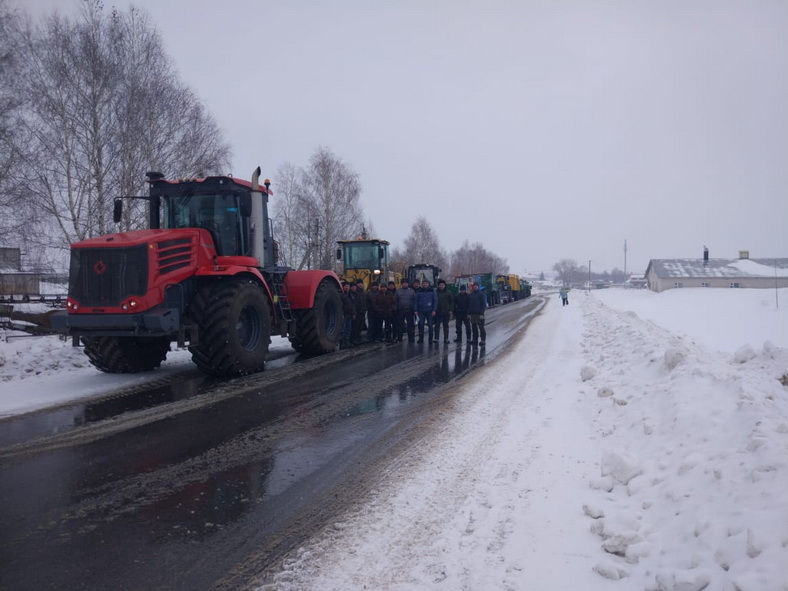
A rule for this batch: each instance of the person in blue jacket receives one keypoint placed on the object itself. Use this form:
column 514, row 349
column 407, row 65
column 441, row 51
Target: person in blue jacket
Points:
column 426, row 303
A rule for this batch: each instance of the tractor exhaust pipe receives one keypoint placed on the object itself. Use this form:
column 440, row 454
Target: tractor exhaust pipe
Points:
column 256, row 179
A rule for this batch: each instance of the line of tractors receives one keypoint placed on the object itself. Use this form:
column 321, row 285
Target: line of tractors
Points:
column 205, row 275
column 367, row 259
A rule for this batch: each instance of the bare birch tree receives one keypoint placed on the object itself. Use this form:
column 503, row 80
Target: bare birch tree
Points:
column 422, row 245
column 289, row 229
column 474, row 258
column 104, row 107
column 568, row 271
column 320, row 205
column 11, row 104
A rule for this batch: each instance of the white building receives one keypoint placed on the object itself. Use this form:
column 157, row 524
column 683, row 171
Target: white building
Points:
column 662, row 274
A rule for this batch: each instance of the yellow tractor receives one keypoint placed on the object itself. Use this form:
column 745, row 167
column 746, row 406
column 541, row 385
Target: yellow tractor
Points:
column 365, row 259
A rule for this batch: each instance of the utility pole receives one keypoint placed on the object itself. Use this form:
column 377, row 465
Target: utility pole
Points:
column 625, row 257
column 589, row 275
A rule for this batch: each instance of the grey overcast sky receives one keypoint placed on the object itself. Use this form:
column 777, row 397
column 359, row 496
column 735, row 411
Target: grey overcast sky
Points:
column 544, row 129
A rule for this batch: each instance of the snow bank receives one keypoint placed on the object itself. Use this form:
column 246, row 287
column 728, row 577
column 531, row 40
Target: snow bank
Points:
column 698, row 453
column 720, row 319
column 605, row 452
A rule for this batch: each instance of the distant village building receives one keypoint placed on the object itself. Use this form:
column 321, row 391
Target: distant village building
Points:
column 636, row 281
column 744, row 272
column 14, row 281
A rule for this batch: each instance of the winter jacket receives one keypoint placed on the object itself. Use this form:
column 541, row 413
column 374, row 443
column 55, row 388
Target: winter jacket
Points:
column 359, row 302
column 377, row 305
column 348, row 309
column 426, row 300
column 477, row 302
column 368, row 301
column 406, row 298
column 391, row 302
column 445, row 302
column 461, row 305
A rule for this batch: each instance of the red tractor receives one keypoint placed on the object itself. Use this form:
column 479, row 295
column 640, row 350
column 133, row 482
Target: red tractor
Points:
column 206, row 274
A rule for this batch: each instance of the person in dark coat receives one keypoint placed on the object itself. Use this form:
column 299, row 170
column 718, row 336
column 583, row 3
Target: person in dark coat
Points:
column 390, row 317
column 477, row 303
column 349, row 312
column 360, row 304
column 426, row 303
column 406, row 306
column 461, row 315
column 376, row 312
column 443, row 311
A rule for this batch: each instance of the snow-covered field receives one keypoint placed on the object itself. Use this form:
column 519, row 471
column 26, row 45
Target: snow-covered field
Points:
column 631, row 440
column 621, row 445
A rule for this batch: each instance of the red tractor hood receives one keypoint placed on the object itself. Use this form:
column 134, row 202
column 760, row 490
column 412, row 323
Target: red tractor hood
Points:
column 132, row 238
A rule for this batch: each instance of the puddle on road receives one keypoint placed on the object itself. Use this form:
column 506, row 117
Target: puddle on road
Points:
column 450, row 365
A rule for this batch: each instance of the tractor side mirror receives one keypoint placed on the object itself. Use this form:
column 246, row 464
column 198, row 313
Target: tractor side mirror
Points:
column 117, row 210
column 245, row 203
column 339, row 254
column 381, row 253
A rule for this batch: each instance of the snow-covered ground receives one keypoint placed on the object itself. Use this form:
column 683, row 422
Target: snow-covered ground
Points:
column 630, row 441
column 41, row 372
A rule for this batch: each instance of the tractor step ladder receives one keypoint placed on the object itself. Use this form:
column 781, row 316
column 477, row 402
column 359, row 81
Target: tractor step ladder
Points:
column 280, row 298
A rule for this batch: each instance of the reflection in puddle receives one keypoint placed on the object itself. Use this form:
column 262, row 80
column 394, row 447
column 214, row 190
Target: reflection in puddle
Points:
column 448, row 367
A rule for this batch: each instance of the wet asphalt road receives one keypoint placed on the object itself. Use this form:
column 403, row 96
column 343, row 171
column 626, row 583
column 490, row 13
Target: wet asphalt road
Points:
column 200, row 484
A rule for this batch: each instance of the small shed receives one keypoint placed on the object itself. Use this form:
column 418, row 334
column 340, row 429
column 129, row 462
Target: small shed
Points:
column 14, row 281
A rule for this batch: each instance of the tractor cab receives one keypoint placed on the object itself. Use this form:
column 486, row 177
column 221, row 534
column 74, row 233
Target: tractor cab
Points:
column 422, row 272
column 233, row 211
column 218, row 213
column 366, row 260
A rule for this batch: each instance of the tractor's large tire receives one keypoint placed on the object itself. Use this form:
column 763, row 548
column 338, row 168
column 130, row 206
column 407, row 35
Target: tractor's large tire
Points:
column 296, row 344
column 126, row 354
column 320, row 327
column 234, row 321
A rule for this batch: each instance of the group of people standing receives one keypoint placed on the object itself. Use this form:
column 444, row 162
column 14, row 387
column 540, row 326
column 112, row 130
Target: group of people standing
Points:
column 390, row 313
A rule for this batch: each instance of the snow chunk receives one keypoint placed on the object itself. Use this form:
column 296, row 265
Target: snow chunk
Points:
column 606, row 483
column 593, row 512
column 682, row 581
column 618, row 543
column 610, row 570
column 744, row 354
column 587, row 372
column 604, row 392
column 621, row 467
column 673, row 357
column 770, row 350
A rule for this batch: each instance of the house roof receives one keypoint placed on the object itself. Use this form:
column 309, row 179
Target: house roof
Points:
column 733, row 268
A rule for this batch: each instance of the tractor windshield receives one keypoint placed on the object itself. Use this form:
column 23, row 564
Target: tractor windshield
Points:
column 424, row 274
column 363, row 255
column 217, row 213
